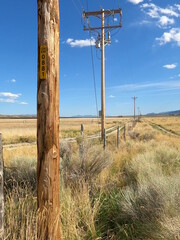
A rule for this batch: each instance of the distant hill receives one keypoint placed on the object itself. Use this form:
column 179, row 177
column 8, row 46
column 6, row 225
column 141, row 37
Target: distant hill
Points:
column 17, row 116
column 84, row 116
column 33, row 116
column 28, row 116
column 172, row 113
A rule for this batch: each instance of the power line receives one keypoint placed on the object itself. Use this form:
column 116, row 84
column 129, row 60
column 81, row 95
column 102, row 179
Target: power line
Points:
column 78, row 11
column 92, row 59
column 94, row 76
column 76, row 7
column 81, row 4
column 97, row 55
column 115, row 33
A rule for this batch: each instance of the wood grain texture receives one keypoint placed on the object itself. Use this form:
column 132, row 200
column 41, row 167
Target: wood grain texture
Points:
column 48, row 123
column 1, row 191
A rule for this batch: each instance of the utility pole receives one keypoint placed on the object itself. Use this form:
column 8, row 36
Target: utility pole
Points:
column 102, row 77
column 134, row 106
column 1, row 190
column 48, row 219
column 100, row 43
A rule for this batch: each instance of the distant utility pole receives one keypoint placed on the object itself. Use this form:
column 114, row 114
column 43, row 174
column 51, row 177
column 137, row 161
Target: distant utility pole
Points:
column 100, row 43
column 134, row 98
column 48, row 219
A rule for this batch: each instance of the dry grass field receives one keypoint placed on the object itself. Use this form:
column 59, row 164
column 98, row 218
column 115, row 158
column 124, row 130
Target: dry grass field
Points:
column 126, row 193
column 24, row 130
column 18, row 130
column 170, row 123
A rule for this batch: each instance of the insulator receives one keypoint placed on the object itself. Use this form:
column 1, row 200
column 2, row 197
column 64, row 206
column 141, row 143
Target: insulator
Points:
column 98, row 44
column 84, row 15
column 109, row 38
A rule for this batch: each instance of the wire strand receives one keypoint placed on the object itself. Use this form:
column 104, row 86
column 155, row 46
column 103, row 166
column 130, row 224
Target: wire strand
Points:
column 94, row 76
column 80, row 3
column 76, row 7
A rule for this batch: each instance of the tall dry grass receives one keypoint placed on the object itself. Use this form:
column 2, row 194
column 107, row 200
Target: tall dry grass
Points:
column 148, row 201
column 79, row 203
column 130, row 193
column 24, row 130
column 169, row 123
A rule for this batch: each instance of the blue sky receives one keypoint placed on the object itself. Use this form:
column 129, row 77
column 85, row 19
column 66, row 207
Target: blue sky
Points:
column 142, row 60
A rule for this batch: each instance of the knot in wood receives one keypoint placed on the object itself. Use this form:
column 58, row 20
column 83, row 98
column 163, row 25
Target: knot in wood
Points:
column 54, row 152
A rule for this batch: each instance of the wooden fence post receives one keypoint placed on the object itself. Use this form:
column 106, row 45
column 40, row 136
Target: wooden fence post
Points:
column 118, row 137
column 1, row 191
column 105, row 139
column 82, row 129
column 48, row 199
column 124, row 132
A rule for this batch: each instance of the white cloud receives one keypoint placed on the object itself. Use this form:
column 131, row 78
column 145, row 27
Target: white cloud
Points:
column 23, row 103
column 164, row 21
column 175, row 76
column 80, row 43
column 144, row 22
column 172, row 36
column 178, row 6
column 7, row 100
column 10, row 95
column 111, row 96
column 171, row 11
column 152, row 9
column 170, row 66
column 158, row 86
column 141, row 23
column 13, row 80
column 116, row 40
column 164, row 16
column 135, row 1
column 69, row 40
column 115, row 19
column 155, row 11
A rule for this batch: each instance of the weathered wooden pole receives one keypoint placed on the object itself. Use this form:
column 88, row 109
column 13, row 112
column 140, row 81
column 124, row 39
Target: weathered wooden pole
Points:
column 48, row 219
column 124, row 132
column 82, row 129
column 134, row 98
column 1, row 191
column 104, row 140
column 118, row 136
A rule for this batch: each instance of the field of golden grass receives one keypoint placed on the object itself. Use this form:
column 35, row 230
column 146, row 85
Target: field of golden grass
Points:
column 170, row 123
column 18, row 130
column 24, row 130
column 126, row 193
